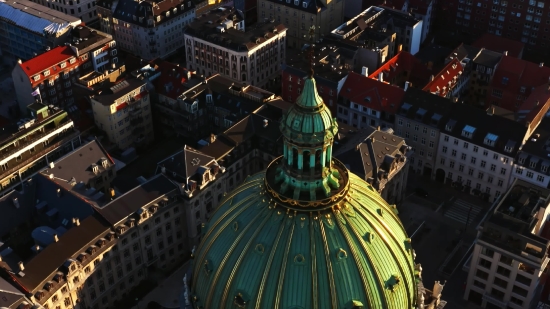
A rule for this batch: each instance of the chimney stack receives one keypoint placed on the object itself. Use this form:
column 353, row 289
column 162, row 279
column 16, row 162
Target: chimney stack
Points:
column 76, row 221
column 266, row 122
column 505, row 53
column 21, row 266
column 365, row 71
column 541, row 64
column 212, row 138
column 407, row 84
column 381, row 77
column 55, row 238
column 112, row 191
column 19, row 61
column 432, row 78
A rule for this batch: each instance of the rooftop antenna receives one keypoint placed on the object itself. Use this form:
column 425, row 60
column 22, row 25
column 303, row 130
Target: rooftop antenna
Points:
column 311, row 34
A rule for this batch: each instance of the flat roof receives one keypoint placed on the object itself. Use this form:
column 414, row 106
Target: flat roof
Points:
column 36, row 17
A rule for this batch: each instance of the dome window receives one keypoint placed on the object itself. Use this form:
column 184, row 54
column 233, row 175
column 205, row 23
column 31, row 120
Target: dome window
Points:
column 356, row 304
column 341, row 254
column 240, row 301
column 207, row 267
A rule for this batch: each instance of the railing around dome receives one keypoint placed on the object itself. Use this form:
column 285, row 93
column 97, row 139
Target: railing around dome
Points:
column 321, row 203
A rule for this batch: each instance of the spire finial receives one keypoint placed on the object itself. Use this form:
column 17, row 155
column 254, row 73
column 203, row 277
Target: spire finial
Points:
column 311, row 49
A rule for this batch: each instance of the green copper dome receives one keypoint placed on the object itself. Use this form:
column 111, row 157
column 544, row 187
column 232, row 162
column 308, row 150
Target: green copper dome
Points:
column 305, row 234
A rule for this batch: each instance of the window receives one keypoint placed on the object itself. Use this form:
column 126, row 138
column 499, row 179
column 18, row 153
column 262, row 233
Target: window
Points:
column 490, row 179
column 431, row 144
column 516, row 301
column 453, row 153
column 487, row 252
column 400, row 122
column 480, row 175
column 446, row 138
column 529, row 174
column 503, row 271
column 461, row 168
column 473, row 160
column 479, row 284
column 500, row 182
column 503, row 171
column 470, row 171
column 455, row 142
column 476, row 148
column 432, row 133
column 523, row 280
column 466, row 145
column 497, row 293
column 444, row 149
column 500, row 282
column 463, row 156
column 520, row 291
column 495, row 156
column 481, row 274
column 540, row 178
column 485, row 153
column 483, row 163
column 493, row 167
column 416, row 127
column 423, row 141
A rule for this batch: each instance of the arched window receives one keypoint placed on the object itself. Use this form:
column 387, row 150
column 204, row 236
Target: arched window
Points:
column 318, row 163
column 295, row 158
column 307, row 162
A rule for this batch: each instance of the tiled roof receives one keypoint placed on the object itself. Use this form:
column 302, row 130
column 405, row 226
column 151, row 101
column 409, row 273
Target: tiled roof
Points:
column 47, row 60
column 419, row 74
column 171, row 79
column 500, row 44
column 512, row 74
column 372, row 93
column 445, row 80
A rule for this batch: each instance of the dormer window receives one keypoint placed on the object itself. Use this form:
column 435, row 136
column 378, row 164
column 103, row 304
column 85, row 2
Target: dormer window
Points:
column 521, row 160
column 405, row 108
column 36, row 77
column 72, row 60
column 504, row 80
column 131, row 223
column 95, row 168
column 304, row 4
column 450, row 125
column 435, row 119
column 91, row 250
column 532, row 164
column 47, row 73
column 63, row 65
column 544, row 168
column 104, row 162
column 510, row 146
column 209, row 98
column 120, row 229
column 420, row 113
column 490, row 139
column 522, row 89
column 468, row 131
column 296, row 2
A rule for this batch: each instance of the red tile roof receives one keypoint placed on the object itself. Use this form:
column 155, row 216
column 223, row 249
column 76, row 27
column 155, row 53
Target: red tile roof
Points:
column 499, row 44
column 47, row 60
column 372, row 93
column 418, row 73
column 519, row 73
column 445, row 80
column 171, row 79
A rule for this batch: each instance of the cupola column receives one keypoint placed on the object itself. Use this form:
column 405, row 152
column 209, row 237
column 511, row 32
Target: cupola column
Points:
column 300, row 159
column 329, row 155
column 324, row 157
column 312, row 161
column 288, row 153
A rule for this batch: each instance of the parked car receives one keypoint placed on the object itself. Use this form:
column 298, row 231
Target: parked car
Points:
column 421, row 192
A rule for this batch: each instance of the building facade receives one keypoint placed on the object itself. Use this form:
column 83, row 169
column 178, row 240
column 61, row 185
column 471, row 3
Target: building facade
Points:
column 54, row 73
column 531, row 163
column 484, row 65
column 218, row 42
column 366, row 102
column 121, row 106
column 511, row 251
column 85, row 10
column 450, row 82
column 34, row 144
column 300, row 15
column 28, row 29
column 148, row 29
column 408, row 29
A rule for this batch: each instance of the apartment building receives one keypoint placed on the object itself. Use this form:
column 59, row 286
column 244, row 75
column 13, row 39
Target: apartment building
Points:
column 518, row 20
column 381, row 160
column 331, row 63
column 484, row 67
column 419, row 120
column 81, row 9
column 366, row 102
column 511, row 250
column 95, row 259
column 121, row 106
column 33, row 143
column 450, row 82
column 477, row 149
column 28, row 29
column 300, row 15
column 146, row 29
column 514, row 80
column 532, row 162
column 207, row 173
column 408, row 29
column 50, row 77
column 217, row 42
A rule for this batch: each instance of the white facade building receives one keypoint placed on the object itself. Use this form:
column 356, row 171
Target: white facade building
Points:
column 532, row 163
column 511, row 251
column 82, row 9
column 252, row 56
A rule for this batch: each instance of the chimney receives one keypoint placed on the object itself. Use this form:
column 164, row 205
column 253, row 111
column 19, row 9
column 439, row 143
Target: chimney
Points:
column 0, row 258
column 505, row 53
column 407, row 84
column 365, row 71
column 381, row 77
column 266, row 122
column 163, row 169
column 212, row 138
column 19, row 61
column 52, row 165
column 377, row 129
column 58, row 192
column 112, row 190
column 21, row 266
column 491, row 111
column 106, row 73
column 541, row 64
column 372, row 155
column 113, row 65
column 76, row 221
column 55, row 238
column 16, row 202
column 432, row 78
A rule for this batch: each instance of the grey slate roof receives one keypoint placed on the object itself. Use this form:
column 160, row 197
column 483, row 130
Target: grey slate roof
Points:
column 487, row 58
column 10, row 297
column 186, row 163
column 537, row 148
